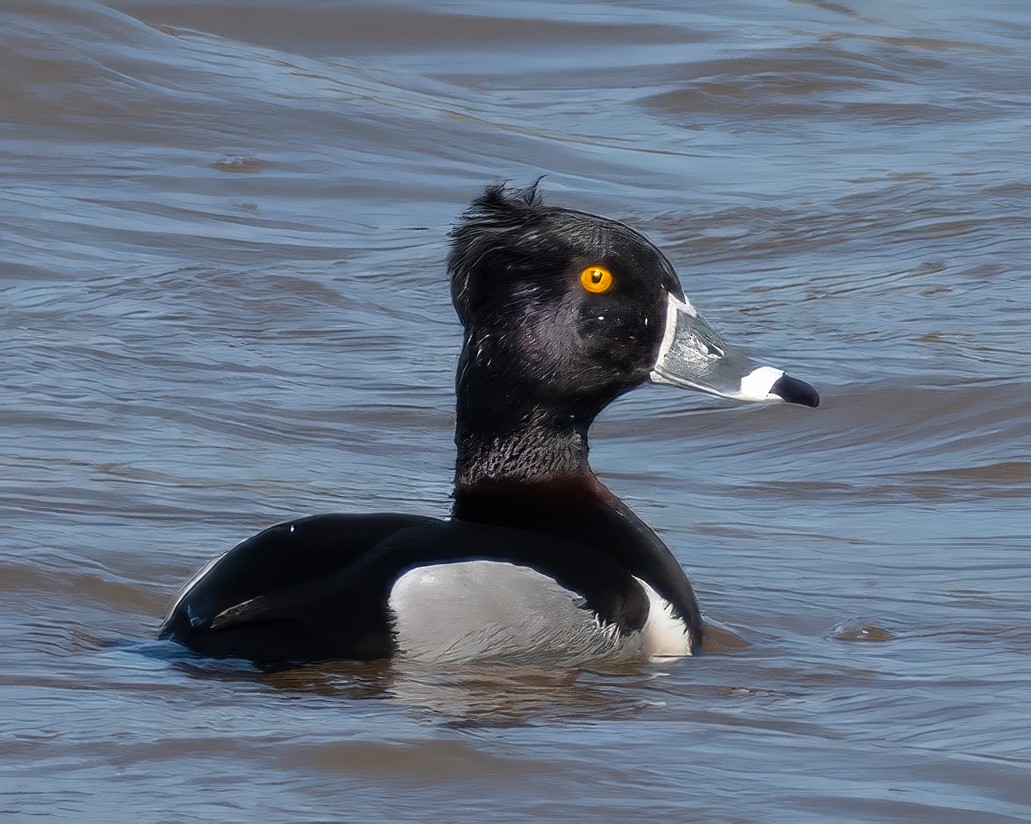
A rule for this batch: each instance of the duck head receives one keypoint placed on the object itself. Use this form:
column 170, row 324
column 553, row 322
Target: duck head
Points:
column 564, row 311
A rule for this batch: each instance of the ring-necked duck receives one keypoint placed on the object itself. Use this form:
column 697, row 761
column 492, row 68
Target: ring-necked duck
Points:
column 563, row 312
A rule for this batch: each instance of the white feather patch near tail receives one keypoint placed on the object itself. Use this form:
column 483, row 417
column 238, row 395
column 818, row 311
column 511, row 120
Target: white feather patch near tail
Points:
column 663, row 634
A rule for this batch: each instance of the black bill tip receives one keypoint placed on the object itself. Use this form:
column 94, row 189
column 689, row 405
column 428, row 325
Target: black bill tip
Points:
column 793, row 390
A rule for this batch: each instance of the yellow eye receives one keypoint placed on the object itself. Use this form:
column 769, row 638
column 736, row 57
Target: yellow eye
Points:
column 596, row 279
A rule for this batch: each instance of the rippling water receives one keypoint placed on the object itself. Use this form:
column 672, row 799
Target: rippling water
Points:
column 223, row 303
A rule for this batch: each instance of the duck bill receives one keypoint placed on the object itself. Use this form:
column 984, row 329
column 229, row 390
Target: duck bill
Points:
column 693, row 355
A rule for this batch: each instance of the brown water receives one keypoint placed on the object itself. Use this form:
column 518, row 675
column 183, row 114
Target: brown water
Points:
column 222, row 303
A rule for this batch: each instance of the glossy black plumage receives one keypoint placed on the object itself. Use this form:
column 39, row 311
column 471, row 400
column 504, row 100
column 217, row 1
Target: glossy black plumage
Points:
column 324, row 582
column 541, row 358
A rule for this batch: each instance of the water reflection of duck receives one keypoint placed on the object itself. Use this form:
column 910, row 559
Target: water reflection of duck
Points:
column 563, row 312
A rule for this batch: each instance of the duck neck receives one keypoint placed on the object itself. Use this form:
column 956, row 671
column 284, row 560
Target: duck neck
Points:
column 520, row 446
column 507, row 433
column 531, row 473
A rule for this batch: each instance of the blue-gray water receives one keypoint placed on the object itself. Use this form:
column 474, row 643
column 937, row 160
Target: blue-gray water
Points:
column 223, row 303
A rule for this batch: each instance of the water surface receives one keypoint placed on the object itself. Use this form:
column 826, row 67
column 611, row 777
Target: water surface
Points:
column 223, row 303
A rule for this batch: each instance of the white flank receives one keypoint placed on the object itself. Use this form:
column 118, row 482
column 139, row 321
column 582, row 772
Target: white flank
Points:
column 493, row 611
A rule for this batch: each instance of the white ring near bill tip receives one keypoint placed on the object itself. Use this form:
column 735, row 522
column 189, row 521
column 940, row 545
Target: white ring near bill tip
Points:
column 756, row 385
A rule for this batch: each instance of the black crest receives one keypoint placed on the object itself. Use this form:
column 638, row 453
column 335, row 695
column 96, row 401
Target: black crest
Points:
column 505, row 232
